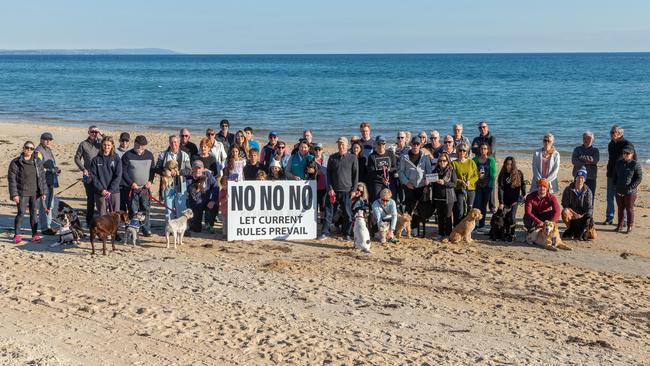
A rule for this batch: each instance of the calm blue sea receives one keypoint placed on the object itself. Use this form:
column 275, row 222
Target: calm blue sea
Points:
column 521, row 95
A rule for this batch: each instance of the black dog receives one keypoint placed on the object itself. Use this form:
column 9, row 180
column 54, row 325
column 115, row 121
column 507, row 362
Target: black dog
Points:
column 67, row 214
column 578, row 228
column 424, row 209
column 498, row 228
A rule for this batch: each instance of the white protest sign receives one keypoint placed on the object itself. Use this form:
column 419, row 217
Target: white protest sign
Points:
column 281, row 210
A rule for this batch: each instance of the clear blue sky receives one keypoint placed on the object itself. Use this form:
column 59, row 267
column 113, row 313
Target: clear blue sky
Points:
column 334, row 26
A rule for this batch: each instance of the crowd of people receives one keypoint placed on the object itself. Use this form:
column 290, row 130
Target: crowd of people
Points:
column 365, row 173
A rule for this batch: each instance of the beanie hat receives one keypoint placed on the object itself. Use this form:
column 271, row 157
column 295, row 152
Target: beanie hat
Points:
column 582, row 172
column 275, row 162
column 543, row 183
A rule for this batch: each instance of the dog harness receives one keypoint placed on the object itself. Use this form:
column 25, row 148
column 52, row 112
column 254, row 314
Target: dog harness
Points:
column 66, row 235
column 135, row 223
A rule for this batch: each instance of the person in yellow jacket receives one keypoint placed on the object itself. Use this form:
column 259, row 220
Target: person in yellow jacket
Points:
column 467, row 175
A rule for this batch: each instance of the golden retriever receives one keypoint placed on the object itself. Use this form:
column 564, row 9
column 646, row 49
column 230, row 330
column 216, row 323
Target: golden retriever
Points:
column 403, row 223
column 547, row 236
column 463, row 231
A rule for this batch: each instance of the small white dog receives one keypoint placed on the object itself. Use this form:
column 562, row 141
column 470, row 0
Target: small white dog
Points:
column 382, row 232
column 177, row 227
column 361, row 233
column 132, row 230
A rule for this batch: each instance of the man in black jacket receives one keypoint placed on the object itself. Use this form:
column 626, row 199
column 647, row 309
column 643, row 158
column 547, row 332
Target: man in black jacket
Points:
column 27, row 185
column 342, row 177
column 138, row 174
column 381, row 170
column 615, row 151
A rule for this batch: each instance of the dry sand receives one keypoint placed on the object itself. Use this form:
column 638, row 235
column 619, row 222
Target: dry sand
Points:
column 309, row 302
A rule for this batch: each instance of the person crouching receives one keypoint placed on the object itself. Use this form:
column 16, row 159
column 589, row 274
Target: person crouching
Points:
column 203, row 193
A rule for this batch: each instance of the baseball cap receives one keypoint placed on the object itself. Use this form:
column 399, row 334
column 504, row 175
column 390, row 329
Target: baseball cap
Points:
column 141, row 140
column 47, row 136
column 416, row 140
column 380, row 139
column 318, row 146
column 273, row 133
column 342, row 139
column 124, row 136
column 197, row 164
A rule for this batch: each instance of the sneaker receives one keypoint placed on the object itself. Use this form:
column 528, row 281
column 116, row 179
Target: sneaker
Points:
column 619, row 229
column 36, row 238
column 18, row 239
column 608, row 222
column 393, row 241
column 629, row 230
column 146, row 234
column 49, row 232
column 322, row 237
column 348, row 238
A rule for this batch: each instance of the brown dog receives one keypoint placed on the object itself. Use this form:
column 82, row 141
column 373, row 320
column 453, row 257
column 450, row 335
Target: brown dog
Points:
column 403, row 222
column 463, row 231
column 104, row 226
column 547, row 236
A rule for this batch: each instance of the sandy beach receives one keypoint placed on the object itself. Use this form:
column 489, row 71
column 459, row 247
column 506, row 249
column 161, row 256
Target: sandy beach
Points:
column 419, row 302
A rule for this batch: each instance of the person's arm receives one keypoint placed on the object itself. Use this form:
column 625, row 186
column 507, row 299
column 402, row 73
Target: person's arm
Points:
column 330, row 173
column 472, row 174
column 500, row 189
column 537, row 158
column 221, row 153
column 186, row 165
column 114, row 186
column 12, row 180
column 401, row 173
column 77, row 157
column 452, row 180
column 557, row 210
column 566, row 197
column 596, row 156
column 528, row 208
column 493, row 170
column 126, row 175
column 475, row 146
column 355, row 173
column 493, row 144
column 392, row 205
column 637, row 177
column 160, row 164
column 94, row 172
column 289, row 173
column 152, row 171
column 589, row 206
column 523, row 184
column 576, row 160
column 214, row 190
column 376, row 212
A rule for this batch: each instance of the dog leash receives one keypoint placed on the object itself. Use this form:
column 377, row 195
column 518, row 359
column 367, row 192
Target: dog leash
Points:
column 68, row 187
column 153, row 198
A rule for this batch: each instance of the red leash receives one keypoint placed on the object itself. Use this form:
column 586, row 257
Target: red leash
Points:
column 152, row 197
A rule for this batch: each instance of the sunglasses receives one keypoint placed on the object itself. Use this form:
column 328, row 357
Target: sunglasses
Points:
column 443, row 160
column 281, row 147
column 423, row 137
column 547, row 140
column 482, row 127
column 434, row 137
column 627, row 153
column 401, row 137
column 185, row 135
column 449, row 142
column 210, row 134
column 94, row 132
column 28, row 147
column 459, row 150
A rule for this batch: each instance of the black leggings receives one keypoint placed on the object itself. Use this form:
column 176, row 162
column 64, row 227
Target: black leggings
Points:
column 444, row 221
column 25, row 202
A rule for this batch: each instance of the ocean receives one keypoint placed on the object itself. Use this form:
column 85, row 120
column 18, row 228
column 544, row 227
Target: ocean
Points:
column 522, row 96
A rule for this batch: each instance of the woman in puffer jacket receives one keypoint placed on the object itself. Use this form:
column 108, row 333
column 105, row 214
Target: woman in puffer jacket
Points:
column 413, row 168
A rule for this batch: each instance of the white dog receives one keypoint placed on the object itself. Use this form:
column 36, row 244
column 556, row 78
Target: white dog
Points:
column 382, row 232
column 177, row 227
column 361, row 233
column 133, row 228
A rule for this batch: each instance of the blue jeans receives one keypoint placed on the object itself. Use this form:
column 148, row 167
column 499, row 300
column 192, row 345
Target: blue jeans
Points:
column 139, row 201
column 342, row 201
column 45, row 219
column 175, row 200
column 481, row 201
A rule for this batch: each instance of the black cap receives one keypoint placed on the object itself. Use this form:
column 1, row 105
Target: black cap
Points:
column 416, row 140
column 47, row 136
column 124, row 136
column 141, row 140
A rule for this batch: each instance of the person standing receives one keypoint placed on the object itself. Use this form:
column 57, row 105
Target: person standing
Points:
column 186, row 145
column 443, row 194
column 511, row 191
column 381, row 170
column 342, row 178
column 487, row 175
column 298, row 162
column 626, row 177
column 106, row 169
column 400, row 149
column 615, row 151
column 44, row 153
column 208, row 160
column 226, row 138
column 484, row 136
column 86, row 152
column 27, row 184
column 412, row 174
column 217, row 148
column 125, row 138
column 138, row 174
column 467, row 175
column 587, row 156
column 367, row 143
column 268, row 152
column 174, row 152
column 434, row 146
column 458, row 135
column 546, row 164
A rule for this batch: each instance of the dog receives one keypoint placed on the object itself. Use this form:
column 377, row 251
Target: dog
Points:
column 104, row 226
column 65, row 213
column 199, row 184
column 463, row 231
column 423, row 210
column 547, row 236
column 177, row 227
column 361, row 233
column 167, row 177
column 498, row 228
column 382, row 232
column 132, row 229
column 311, row 169
column 582, row 228
column 66, row 233
column 403, row 223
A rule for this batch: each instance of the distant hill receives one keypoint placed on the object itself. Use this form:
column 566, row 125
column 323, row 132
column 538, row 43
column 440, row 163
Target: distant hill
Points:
column 114, row 51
